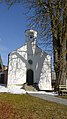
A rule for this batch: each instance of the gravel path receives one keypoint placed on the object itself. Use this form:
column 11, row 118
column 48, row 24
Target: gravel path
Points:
column 50, row 98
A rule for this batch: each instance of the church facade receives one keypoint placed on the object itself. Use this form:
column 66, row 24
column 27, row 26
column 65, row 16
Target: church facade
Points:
column 29, row 64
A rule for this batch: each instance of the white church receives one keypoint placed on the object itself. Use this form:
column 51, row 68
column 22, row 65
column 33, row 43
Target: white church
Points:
column 29, row 64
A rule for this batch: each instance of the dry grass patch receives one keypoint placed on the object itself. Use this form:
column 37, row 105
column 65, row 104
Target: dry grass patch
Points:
column 28, row 107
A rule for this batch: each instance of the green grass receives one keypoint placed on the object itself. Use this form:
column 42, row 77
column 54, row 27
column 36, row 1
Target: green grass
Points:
column 28, row 107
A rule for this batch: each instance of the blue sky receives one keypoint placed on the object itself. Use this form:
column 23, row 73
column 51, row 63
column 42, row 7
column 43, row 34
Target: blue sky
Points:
column 13, row 23
column 12, row 27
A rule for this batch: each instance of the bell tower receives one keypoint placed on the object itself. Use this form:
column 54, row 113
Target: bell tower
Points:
column 31, row 36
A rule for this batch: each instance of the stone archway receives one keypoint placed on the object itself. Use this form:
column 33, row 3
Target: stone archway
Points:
column 30, row 77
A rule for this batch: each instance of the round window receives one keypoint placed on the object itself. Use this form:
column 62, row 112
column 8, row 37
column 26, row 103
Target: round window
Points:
column 30, row 61
column 31, row 36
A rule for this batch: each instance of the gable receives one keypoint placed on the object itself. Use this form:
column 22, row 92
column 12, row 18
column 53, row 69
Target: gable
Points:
column 24, row 49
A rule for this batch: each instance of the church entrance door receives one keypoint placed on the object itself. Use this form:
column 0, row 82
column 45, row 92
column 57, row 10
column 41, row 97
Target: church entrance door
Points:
column 29, row 77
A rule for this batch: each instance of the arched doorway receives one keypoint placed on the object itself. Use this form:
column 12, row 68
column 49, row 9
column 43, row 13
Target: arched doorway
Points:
column 29, row 77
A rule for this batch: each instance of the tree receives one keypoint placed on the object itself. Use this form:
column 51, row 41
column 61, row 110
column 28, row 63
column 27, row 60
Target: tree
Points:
column 50, row 19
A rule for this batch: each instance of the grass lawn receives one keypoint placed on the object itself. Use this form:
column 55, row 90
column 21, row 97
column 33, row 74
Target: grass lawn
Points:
column 28, row 107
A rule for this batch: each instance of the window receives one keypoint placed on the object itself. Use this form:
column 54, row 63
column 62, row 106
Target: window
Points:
column 31, row 36
column 30, row 62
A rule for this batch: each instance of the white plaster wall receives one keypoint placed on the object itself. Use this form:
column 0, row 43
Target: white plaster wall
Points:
column 45, row 75
column 42, row 69
column 18, row 64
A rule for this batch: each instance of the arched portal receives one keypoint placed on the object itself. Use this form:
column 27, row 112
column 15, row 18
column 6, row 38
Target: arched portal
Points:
column 29, row 77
